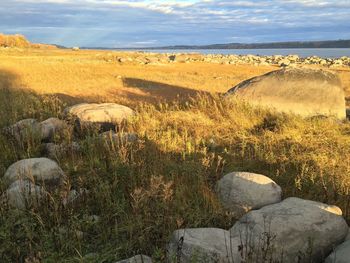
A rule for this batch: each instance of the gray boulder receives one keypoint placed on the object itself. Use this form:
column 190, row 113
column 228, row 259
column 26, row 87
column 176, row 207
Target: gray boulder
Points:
column 240, row 192
column 303, row 91
column 56, row 151
column 36, row 170
column 137, row 259
column 23, row 194
column 23, row 129
column 301, row 230
column 341, row 254
column 51, row 127
column 200, row 245
column 104, row 113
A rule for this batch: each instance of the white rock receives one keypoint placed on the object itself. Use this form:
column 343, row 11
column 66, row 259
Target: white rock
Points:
column 284, row 62
column 199, row 245
column 240, row 192
column 304, row 91
column 137, row 259
column 100, row 113
column 36, row 170
column 295, row 226
column 23, row 194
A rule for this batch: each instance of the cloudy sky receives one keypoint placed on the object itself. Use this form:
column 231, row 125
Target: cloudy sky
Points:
column 136, row 23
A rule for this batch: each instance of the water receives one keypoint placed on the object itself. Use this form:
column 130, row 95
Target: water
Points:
column 302, row 52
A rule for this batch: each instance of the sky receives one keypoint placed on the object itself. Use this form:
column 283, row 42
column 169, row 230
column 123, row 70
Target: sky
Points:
column 145, row 23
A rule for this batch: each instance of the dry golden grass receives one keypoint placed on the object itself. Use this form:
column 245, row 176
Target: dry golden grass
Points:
column 96, row 75
column 142, row 192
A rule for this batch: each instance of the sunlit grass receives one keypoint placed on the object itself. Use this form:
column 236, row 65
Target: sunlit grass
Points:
column 141, row 192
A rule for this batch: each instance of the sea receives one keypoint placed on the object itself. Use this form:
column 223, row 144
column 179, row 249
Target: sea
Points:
column 302, row 52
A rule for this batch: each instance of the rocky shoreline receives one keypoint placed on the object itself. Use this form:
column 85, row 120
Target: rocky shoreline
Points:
column 144, row 58
column 153, row 58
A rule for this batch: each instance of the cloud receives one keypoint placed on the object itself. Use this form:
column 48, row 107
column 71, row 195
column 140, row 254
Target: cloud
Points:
column 156, row 22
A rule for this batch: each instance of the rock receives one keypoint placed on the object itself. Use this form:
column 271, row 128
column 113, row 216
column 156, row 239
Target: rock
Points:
column 137, row 259
column 56, row 151
column 103, row 114
column 348, row 236
column 23, row 194
column 24, row 129
column 51, row 127
column 36, row 170
column 341, row 254
column 284, row 62
column 240, row 192
column 28, row 128
column 199, row 245
column 303, row 230
column 308, row 92
column 293, row 58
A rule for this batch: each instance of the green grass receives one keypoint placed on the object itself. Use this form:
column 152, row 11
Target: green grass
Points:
column 143, row 191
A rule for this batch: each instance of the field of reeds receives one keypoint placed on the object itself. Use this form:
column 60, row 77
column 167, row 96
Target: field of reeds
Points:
column 138, row 193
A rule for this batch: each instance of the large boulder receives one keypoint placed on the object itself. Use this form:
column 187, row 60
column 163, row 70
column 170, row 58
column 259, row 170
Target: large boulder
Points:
column 240, row 192
column 36, row 170
column 137, row 259
column 200, row 245
column 303, row 91
column 102, row 114
column 23, row 194
column 300, row 230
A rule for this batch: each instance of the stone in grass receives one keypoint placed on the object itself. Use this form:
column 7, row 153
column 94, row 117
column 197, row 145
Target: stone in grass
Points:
column 24, row 129
column 200, row 245
column 304, row 91
column 51, row 127
column 137, row 259
column 37, row 170
column 240, row 192
column 107, row 115
column 23, row 194
column 57, row 151
column 294, row 230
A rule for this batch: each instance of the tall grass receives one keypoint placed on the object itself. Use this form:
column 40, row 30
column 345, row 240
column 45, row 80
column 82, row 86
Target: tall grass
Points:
column 141, row 192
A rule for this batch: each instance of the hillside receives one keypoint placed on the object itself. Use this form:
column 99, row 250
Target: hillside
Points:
column 20, row 41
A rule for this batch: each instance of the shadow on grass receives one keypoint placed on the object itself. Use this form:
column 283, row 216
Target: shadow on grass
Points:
column 152, row 91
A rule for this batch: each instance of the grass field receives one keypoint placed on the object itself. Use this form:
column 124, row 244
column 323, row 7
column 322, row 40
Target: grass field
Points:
column 189, row 138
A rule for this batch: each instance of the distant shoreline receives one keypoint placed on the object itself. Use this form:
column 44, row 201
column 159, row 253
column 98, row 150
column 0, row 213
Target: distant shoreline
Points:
column 229, row 46
column 301, row 52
